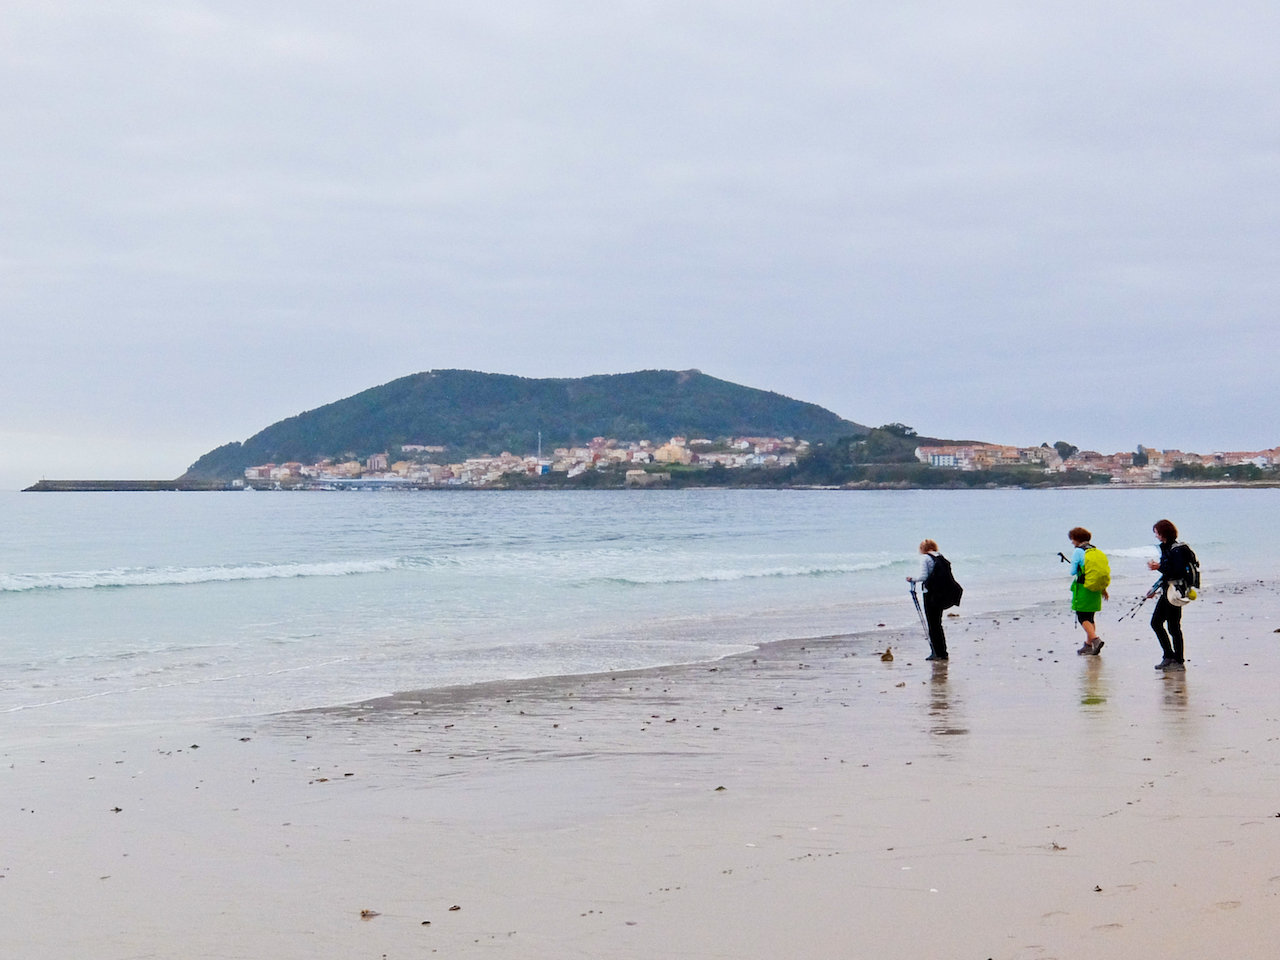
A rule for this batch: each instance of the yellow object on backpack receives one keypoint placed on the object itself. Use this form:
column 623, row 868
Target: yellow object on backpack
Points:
column 1095, row 572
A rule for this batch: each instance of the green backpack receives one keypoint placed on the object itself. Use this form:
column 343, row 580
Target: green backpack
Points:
column 1095, row 572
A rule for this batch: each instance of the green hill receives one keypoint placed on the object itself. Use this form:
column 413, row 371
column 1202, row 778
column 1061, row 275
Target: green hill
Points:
column 474, row 413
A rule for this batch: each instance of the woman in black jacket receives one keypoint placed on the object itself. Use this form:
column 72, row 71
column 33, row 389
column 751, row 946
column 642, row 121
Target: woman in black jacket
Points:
column 932, row 602
column 1173, row 567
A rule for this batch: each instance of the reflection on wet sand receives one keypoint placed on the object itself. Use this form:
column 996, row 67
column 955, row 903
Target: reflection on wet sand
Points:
column 942, row 723
column 1173, row 695
column 1095, row 687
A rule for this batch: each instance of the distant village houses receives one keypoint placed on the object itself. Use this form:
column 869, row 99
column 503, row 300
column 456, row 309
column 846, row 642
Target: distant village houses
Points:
column 643, row 462
column 1143, row 466
column 418, row 469
column 989, row 456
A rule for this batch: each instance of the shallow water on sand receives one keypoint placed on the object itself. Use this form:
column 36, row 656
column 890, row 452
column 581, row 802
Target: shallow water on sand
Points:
column 136, row 608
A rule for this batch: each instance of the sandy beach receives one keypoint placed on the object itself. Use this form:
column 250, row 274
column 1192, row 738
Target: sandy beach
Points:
column 808, row 800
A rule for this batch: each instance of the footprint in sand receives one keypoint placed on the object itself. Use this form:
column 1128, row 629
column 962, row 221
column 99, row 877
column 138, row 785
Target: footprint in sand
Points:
column 1228, row 904
column 1109, row 926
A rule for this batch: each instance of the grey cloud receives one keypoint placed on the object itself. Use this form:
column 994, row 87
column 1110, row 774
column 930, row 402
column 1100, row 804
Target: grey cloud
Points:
column 254, row 209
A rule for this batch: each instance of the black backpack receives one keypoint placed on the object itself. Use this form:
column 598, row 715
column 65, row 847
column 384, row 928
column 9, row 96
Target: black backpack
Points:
column 941, row 583
column 1185, row 562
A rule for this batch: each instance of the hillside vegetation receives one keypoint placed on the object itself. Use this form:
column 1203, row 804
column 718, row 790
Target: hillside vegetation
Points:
column 475, row 413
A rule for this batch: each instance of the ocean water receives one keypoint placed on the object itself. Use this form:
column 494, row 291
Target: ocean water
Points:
column 120, row 609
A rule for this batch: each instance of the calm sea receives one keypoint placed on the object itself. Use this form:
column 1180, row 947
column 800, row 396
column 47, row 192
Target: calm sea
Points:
column 125, row 608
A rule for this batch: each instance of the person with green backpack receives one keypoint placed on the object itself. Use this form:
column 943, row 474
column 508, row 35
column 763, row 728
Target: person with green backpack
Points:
column 1090, row 577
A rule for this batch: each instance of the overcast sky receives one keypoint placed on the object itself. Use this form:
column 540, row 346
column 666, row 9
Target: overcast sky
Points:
column 1015, row 221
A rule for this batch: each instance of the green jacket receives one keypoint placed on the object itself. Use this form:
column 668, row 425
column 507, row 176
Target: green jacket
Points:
column 1083, row 600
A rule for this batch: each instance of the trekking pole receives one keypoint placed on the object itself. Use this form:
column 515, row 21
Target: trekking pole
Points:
column 1134, row 609
column 919, row 612
column 1063, row 557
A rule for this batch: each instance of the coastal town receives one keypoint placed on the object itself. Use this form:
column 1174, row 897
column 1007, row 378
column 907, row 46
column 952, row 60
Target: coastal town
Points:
column 1145, row 465
column 643, row 462
column 420, row 465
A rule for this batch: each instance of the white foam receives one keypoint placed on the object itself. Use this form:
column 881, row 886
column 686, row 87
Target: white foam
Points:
column 730, row 575
column 174, row 576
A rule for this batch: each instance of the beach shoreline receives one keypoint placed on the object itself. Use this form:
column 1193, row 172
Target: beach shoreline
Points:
column 806, row 799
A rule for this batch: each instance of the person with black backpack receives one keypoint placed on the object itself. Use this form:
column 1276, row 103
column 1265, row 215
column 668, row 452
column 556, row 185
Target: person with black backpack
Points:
column 1179, row 578
column 940, row 592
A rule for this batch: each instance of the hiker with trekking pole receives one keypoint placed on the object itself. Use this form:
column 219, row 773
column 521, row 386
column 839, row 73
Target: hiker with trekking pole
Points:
column 1179, row 578
column 940, row 590
column 1090, row 577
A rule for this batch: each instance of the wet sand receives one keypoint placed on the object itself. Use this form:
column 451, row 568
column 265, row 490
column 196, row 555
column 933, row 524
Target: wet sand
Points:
column 808, row 800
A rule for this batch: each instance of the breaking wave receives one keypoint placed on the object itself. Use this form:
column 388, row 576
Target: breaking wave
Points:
column 1140, row 553
column 729, row 575
column 178, row 576
column 580, row 569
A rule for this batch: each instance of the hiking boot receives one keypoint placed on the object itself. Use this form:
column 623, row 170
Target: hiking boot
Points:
column 1176, row 666
column 1097, row 647
column 1087, row 647
column 932, row 656
column 1163, row 663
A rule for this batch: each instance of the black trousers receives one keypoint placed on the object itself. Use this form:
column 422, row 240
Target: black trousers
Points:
column 933, row 617
column 1166, row 614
